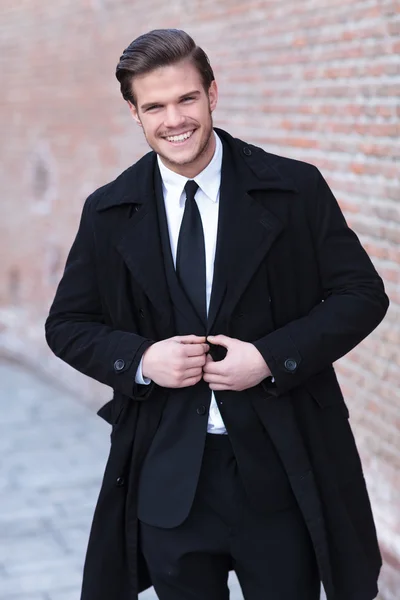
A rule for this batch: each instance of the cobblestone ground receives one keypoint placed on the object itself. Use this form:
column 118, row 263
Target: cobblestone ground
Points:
column 52, row 455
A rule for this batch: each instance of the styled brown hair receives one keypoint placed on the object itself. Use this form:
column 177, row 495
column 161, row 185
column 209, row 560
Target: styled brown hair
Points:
column 160, row 48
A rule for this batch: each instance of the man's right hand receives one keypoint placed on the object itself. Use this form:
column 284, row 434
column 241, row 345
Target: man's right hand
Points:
column 176, row 362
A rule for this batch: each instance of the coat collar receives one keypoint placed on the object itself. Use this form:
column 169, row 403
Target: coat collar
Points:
column 246, row 228
column 258, row 170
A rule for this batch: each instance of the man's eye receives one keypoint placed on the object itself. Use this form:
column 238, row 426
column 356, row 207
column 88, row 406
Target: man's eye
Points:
column 187, row 98
column 153, row 107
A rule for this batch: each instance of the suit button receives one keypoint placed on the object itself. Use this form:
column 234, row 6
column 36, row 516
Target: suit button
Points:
column 120, row 482
column 247, row 151
column 201, row 410
column 141, row 312
column 290, row 364
column 119, row 364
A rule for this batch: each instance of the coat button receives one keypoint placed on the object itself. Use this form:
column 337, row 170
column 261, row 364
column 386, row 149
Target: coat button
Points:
column 141, row 313
column 201, row 410
column 120, row 482
column 290, row 364
column 119, row 364
column 247, row 151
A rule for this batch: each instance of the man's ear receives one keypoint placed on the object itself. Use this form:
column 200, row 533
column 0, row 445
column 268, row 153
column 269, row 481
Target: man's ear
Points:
column 213, row 95
column 134, row 113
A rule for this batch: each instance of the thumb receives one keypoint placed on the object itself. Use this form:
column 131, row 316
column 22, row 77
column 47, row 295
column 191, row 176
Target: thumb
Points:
column 220, row 340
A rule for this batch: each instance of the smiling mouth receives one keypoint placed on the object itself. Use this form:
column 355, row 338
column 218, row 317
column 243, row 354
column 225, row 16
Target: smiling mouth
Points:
column 182, row 137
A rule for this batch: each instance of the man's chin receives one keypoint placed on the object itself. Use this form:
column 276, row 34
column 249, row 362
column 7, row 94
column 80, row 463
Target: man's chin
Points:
column 183, row 157
column 180, row 161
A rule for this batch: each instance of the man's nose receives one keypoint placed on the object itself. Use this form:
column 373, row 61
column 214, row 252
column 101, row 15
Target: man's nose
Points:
column 173, row 117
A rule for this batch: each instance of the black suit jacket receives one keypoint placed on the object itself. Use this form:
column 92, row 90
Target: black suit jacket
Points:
column 283, row 230
column 170, row 472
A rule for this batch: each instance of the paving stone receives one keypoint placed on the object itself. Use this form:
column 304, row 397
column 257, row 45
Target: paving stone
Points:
column 70, row 594
column 52, row 455
column 24, row 597
column 41, row 582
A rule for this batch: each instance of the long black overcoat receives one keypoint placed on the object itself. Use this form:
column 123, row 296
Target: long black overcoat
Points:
column 283, row 228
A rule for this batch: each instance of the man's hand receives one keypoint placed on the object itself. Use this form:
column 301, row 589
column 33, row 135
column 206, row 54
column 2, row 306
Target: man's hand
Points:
column 176, row 362
column 242, row 368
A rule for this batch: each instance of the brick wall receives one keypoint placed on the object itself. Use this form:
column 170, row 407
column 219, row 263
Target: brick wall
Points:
column 317, row 80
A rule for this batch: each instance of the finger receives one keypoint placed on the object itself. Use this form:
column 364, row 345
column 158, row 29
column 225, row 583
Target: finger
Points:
column 214, row 379
column 214, row 367
column 190, row 381
column 196, row 349
column 190, row 339
column 194, row 372
column 216, row 387
column 220, row 340
column 195, row 361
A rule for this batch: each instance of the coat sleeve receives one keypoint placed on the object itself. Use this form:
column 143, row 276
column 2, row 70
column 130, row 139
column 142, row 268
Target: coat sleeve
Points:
column 76, row 330
column 354, row 301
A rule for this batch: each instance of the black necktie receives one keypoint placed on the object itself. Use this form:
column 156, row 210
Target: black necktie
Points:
column 191, row 254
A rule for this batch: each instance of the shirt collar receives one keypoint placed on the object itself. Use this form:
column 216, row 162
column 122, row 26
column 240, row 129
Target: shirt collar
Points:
column 208, row 180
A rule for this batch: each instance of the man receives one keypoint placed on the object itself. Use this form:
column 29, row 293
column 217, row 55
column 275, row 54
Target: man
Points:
column 212, row 285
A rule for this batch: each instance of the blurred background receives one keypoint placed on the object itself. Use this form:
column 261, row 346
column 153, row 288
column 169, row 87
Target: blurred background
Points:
column 317, row 81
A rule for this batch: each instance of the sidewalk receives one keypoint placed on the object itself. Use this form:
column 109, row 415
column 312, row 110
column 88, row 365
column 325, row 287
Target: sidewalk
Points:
column 52, row 455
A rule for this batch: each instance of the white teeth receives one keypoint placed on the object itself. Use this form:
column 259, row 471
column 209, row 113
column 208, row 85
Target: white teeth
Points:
column 179, row 138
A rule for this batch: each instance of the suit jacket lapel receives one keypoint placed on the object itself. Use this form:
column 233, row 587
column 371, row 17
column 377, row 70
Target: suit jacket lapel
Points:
column 178, row 296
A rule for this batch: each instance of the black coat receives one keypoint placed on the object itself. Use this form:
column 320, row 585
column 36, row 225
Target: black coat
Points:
column 284, row 229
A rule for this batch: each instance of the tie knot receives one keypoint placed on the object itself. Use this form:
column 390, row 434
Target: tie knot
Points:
column 191, row 188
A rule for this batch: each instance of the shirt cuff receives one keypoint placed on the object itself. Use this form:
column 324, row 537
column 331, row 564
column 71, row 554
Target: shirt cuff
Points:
column 139, row 375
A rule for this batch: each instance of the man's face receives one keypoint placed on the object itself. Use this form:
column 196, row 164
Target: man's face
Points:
column 174, row 110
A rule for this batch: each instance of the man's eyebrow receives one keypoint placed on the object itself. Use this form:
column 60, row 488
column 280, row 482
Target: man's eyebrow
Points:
column 193, row 93
column 149, row 104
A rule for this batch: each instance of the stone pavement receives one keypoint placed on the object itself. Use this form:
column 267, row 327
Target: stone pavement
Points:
column 52, row 455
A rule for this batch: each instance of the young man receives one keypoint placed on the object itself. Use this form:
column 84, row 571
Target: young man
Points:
column 212, row 285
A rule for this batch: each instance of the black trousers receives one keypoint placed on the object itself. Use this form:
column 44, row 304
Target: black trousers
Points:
column 271, row 553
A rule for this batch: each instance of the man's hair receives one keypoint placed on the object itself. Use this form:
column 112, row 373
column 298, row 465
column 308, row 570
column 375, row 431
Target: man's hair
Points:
column 160, row 48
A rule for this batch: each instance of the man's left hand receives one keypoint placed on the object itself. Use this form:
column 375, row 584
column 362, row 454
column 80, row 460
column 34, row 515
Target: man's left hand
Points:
column 242, row 368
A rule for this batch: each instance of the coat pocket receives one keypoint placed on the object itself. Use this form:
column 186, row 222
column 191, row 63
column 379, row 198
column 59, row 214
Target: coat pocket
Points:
column 325, row 389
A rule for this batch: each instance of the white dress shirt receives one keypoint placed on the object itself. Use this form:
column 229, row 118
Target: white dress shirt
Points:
column 207, row 199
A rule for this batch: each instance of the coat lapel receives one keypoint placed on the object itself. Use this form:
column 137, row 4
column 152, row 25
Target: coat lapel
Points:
column 137, row 239
column 246, row 228
column 250, row 231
